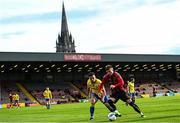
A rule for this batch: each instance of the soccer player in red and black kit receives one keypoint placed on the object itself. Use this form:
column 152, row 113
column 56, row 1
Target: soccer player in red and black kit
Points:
column 10, row 100
column 116, row 84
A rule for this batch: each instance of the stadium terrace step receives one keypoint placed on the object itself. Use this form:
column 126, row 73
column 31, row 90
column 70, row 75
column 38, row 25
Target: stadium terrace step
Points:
column 23, row 89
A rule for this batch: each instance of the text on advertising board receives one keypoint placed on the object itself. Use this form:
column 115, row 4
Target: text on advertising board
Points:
column 82, row 57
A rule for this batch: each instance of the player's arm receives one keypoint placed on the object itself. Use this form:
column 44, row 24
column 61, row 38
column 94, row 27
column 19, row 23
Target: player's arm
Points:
column 13, row 97
column 128, row 87
column 120, row 81
column 50, row 95
column 102, row 95
column 104, row 91
column 18, row 97
column 88, row 90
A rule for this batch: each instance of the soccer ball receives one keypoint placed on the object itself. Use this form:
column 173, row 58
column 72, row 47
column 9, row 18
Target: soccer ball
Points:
column 111, row 116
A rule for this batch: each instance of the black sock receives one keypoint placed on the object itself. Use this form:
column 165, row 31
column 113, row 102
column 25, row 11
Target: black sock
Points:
column 136, row 108
column 111, row 106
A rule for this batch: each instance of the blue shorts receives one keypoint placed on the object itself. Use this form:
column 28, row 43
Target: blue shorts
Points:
column 95, row 95
column 131, row 94
column 104, row 99
column 46, row 99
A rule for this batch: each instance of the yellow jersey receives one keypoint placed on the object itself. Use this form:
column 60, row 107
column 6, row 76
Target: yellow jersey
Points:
column 131, row 87
column 16, row 97
column 47, row 94
column 93, row 86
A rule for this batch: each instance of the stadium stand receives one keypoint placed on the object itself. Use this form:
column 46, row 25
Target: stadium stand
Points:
column 147, row 88
column 62, row 91
column 10, row 87
column 172, row 86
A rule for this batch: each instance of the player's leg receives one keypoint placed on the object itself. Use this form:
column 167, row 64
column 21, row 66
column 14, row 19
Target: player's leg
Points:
column 48, row 107
column 113, row 106
column 117, row 113
column 124, row 97
column 14, row 104
column 110, row 104
column 18, row 105
column 133, row 97
column 135, row 107
column 48, row 104
column 11, row 104
column 93, row 100
column 104, row 99
column 129, row 94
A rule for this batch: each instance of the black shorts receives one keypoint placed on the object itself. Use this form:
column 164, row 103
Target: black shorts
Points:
column 16, row 101
column 120, row 94
column 11, row 101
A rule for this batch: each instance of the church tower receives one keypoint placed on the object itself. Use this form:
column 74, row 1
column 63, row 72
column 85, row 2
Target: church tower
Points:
column 65, row 41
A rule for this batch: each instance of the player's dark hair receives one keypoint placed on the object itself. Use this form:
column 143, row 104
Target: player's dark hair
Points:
column 91, row 74
column 132, row 79
column 108, row 67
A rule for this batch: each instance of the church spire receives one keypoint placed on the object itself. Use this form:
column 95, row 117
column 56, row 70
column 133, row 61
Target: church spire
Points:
column 64, row 41
column 64, row 25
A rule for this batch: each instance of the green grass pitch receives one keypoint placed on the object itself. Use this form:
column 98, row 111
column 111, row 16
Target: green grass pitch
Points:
column 158, row 109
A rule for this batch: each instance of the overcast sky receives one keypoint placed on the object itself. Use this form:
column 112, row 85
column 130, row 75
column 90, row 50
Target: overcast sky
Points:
column 98, row 26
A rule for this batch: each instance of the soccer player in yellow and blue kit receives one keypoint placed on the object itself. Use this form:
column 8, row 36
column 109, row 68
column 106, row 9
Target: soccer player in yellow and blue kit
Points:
column 48, row 96
column 16, row 100
column 131, row 90
column 92, row 88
